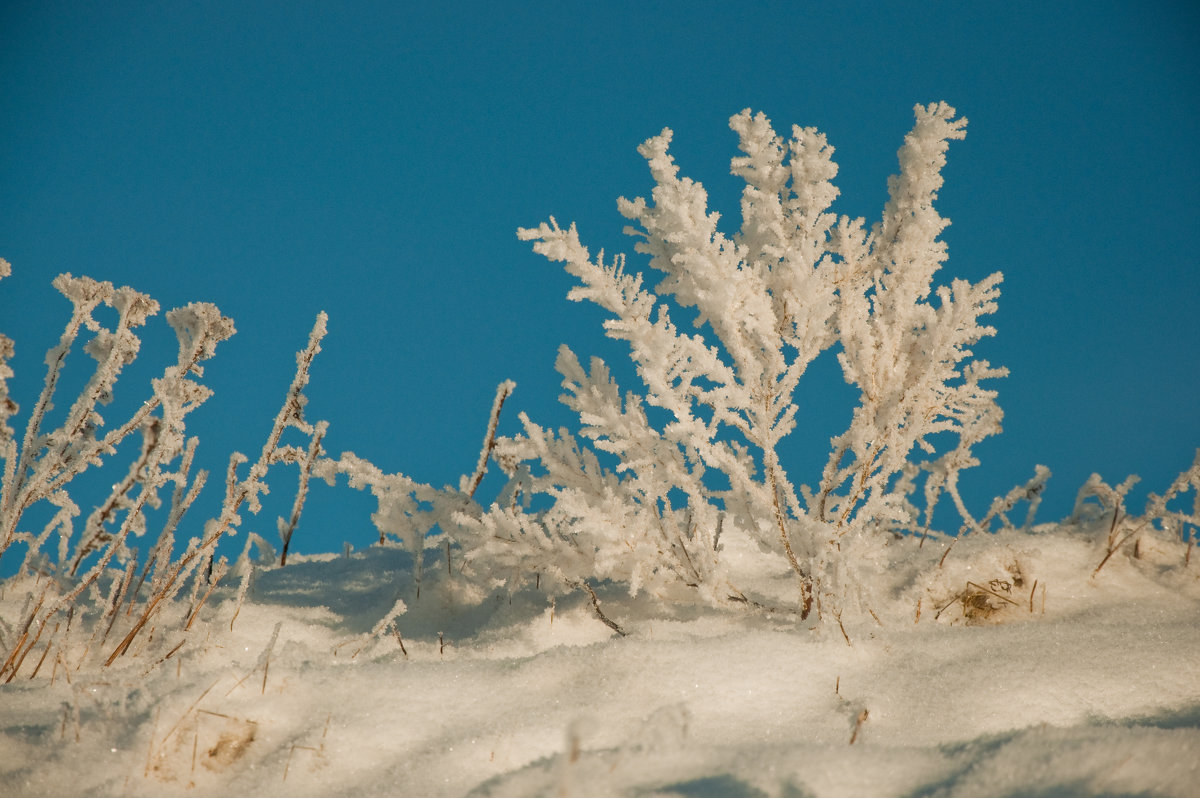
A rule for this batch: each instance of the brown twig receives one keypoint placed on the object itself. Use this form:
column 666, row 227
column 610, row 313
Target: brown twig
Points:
column 1113, row 549
column 169, row 654
column 213, row 581
column 184, row 717
column 1000, row 596
column 838, row 616
column 400, row 640
column 49, row 645
column 611, row 624
column 119, row 597
column 858, row 724
column 942, row 561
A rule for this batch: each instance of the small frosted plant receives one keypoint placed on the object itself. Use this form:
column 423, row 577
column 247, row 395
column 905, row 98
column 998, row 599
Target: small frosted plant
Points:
column 39, row 466
column 84, row 586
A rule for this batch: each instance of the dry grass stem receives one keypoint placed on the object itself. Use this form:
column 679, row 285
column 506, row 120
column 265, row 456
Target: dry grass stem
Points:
column 400, row 640
column 150, row 743
column 858, row 724
column 49, row 644
column 946, row 553
column 167, row 656
column 842, row 628
column 596, row 607
column 976, row 600
column 503, row 391
column 1115, row 542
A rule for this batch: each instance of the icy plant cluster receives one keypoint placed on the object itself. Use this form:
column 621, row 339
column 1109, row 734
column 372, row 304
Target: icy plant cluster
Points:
column 89, row 595
column 795, row 281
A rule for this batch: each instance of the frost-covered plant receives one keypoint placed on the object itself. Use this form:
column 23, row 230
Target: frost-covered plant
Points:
column 93, row 585
column 40, row 467
column 1099, row 501
column 290, row 416
column 8, row 408
column 793, row 282
column 198, row 558
column 44, row 462
column 409, row 511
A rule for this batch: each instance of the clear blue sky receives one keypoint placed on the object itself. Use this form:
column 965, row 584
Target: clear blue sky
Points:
column 374, row 161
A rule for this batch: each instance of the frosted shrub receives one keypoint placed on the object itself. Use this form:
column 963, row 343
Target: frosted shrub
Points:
column 793, row 282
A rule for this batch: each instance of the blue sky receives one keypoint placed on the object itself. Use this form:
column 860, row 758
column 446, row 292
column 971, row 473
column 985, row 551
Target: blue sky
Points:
column 374, row 161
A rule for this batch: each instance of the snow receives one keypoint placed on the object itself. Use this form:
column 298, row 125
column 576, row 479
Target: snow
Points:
column 1094, row 692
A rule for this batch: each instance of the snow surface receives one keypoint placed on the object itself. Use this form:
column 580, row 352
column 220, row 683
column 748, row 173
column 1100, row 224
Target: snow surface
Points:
column 1091, row 687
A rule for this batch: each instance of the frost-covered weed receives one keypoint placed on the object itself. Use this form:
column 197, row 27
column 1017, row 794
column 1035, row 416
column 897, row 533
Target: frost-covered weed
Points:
column 85, row 595
column 1161, row 524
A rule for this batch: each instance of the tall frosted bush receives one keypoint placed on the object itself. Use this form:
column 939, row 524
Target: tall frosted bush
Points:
column 793, row 282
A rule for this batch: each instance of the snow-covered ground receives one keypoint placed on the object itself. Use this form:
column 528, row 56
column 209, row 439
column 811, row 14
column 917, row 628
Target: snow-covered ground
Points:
column 1035, row 678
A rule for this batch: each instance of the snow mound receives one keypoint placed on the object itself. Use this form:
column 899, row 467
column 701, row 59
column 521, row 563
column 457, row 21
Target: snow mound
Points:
column 1080, row 685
